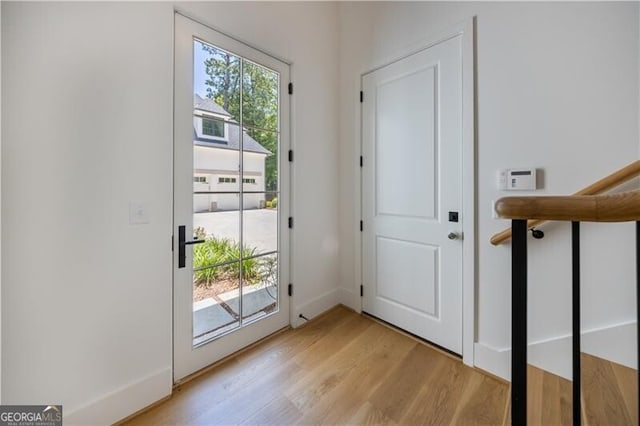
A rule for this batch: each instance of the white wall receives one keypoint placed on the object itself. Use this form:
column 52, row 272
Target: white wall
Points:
column 87, row 113
column 557, row 88
column 86, row 303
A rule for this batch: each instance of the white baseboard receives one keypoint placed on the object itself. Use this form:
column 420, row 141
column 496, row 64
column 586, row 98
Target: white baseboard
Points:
column 615, row 343
column 493, row 360
column 315, row 307
column 122, row 402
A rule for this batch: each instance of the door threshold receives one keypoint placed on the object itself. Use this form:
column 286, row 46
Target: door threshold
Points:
column 415, row 337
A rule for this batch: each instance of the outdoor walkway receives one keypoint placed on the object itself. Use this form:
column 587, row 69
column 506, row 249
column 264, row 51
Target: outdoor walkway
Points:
column 214, row 317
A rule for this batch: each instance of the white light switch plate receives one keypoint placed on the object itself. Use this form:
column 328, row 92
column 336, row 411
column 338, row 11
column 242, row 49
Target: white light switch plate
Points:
column 138, row 213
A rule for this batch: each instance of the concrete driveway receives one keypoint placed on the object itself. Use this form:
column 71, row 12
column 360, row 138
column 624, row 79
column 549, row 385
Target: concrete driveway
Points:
column 260, row 227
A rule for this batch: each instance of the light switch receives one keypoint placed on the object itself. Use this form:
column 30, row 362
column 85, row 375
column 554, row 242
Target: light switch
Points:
column 138, row 213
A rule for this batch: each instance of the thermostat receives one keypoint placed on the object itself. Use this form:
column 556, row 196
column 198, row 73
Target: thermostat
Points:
column 521, row 180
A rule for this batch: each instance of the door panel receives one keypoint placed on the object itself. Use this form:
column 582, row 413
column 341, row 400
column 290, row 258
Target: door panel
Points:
column 227, row 175
column 412, row 135
column 406, row 117
column 407, row 274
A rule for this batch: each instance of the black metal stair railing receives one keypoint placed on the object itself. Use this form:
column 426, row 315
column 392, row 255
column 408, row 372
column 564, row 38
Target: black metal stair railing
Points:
column 519, row 320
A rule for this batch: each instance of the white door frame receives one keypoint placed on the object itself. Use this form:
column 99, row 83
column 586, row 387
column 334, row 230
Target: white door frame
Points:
column 465, row 29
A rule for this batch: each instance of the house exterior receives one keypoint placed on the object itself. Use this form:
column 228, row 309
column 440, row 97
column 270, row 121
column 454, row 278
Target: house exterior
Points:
column 216, row 161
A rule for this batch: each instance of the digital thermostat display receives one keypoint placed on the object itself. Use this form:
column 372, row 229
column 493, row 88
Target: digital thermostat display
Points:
column 517, row 179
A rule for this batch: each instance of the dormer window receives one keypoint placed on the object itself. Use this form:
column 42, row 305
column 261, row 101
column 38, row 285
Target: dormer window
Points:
column 214, row 128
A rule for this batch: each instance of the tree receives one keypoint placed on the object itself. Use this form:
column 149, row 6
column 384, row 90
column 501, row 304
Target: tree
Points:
column 259, row 101
column 260, row 110
column 223, row 71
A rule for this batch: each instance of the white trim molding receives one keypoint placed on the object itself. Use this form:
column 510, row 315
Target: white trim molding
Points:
column 616, row 343
column 123, row 402
column 314, row 307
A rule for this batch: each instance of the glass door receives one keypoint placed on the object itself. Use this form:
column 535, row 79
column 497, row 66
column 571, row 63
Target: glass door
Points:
column 230, row 196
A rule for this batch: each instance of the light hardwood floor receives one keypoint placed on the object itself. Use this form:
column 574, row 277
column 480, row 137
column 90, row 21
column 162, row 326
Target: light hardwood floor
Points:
column 609, row 393
column 344, row 368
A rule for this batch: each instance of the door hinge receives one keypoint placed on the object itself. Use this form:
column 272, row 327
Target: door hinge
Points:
column 290, row 223
column 291, row 88
column 361, row 96
column 172, row 243
column 361, row 161
column 290, row 155
column 361, row 290
column 361, row 226
column 290, row 290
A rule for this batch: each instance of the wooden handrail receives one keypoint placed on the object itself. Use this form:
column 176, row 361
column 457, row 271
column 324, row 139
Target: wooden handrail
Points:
column 623, row 207
column 611, row 181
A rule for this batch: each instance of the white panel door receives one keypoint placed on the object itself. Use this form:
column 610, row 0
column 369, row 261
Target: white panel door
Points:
column 412, row 145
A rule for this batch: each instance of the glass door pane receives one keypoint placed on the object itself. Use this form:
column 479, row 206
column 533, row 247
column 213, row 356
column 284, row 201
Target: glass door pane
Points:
column 260, row 157
column 260, row 87
column 260, row 224
column 215, row 301
column 217, row 221
column 235, row 192
column 216, row 192
column 260, row 270
column 216, row 77
column 260, row 191
column 260, row 290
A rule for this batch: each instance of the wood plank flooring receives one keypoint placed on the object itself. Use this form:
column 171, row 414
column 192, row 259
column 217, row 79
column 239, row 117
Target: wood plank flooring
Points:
column 549, row 398
column 609, row 395
column 344, row 368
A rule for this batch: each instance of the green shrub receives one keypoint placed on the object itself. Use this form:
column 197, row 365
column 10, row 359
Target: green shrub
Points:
column 251, row 269
column 217, row 251
column 274, row 203
column 269, row 270
column 268, row 204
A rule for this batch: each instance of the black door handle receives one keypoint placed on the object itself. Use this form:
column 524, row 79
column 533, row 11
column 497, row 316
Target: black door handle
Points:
column 182, row 244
